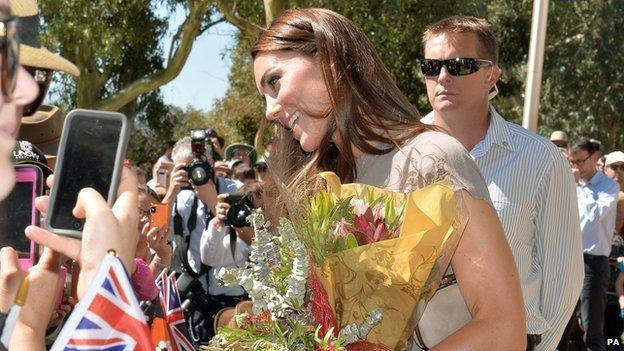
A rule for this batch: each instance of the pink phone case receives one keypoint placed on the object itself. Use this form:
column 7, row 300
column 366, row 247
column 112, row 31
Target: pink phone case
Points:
column 30, row 174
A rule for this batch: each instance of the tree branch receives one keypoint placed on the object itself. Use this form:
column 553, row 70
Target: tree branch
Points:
column 247, row 27
column 208, row 25
column 188, row 33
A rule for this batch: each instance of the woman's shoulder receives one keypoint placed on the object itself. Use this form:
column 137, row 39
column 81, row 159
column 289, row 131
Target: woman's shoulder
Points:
column 437, row 143
column 436, row 156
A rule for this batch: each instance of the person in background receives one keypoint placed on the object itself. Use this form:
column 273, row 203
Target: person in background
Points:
column 614, row 326
column 597, row 200
column 192, row 206
column 559, row 138
column 224, row 245
column 528, row 178
column 241, row 151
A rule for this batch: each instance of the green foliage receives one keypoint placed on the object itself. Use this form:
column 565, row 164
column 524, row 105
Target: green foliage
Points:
column 582, row 91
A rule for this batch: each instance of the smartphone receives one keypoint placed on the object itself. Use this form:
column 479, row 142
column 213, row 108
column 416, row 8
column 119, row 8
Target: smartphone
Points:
column 18, row 211
column 91, row 153
column 159, row 215
column 162, row 174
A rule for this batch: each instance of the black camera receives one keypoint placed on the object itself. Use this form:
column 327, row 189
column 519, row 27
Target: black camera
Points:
column 241, row 206
column 199, row 170
column 191, row 292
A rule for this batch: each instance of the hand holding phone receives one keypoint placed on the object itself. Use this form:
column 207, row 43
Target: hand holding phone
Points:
column 18, row 211
column 91, row 153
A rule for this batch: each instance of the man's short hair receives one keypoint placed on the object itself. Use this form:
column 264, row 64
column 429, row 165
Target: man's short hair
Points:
column 585, row 144
column 466, row 24
column 182, row 149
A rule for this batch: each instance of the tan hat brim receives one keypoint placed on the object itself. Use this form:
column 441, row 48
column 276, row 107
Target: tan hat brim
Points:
column 43, row 58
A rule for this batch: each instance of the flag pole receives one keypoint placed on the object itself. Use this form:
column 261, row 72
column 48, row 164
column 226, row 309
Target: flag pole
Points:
column 535, row 65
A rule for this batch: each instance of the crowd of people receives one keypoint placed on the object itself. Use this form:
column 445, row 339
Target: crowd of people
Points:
column 539, row 211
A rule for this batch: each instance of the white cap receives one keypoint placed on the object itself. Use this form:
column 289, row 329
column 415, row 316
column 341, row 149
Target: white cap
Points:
column 559, row 135
column 614, row 157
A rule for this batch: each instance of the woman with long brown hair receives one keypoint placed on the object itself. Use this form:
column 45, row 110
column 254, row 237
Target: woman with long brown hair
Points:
column 339, row 110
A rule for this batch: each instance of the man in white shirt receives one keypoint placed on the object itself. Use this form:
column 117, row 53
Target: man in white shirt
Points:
column 529, row 179
column 597, row 201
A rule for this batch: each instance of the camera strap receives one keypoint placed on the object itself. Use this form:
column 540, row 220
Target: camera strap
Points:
column 180, row 256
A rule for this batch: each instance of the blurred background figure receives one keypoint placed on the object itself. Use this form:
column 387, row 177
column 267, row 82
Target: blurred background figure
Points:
column 241, row 151
column 597, row 200
column 614, row 325
column 559, row 138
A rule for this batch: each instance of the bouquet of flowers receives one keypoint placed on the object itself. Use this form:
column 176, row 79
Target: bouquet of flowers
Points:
column 354, row 274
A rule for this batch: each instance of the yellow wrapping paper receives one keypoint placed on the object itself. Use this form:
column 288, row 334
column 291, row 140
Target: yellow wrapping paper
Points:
column 398, row 275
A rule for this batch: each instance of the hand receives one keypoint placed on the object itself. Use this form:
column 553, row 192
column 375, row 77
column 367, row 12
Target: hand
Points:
column 11, row 277
column 104, row 229
column 221, row 210
column 34, row 316
column 177, row 181
column 246, row 234
column 207, row 193
column 156, row 238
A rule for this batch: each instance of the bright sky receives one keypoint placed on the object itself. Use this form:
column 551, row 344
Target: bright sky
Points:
column 205, row 75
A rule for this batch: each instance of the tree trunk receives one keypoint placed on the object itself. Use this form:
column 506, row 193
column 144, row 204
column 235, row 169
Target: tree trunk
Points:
column 272, row 9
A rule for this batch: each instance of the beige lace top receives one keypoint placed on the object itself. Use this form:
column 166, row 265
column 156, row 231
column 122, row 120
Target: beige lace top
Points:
column 429, row 157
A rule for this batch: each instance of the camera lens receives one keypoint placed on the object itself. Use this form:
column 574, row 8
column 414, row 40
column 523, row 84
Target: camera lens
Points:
column 77, row 224
column 199, row 172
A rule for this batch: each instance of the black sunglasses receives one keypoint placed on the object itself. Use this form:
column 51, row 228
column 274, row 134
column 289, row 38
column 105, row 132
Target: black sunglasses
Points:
column 9, row 53
column 42, row 77
column 461, row 66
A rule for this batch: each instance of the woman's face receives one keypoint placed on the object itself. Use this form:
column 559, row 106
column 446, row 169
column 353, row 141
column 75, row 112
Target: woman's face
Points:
column 26, row 91
column 295, row 93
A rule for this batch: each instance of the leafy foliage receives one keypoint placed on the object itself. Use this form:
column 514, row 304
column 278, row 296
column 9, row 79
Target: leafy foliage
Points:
column 582, row 86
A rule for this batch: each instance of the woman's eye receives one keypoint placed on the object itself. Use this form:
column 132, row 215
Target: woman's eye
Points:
column 273, row 81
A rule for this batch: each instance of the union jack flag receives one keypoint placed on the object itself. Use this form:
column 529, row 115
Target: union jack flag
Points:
column 174, row 315
column 108, row 317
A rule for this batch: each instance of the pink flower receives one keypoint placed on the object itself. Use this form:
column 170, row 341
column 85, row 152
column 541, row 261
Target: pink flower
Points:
column 342, row 228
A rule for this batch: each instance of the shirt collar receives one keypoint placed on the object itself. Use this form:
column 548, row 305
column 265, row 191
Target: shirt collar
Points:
column 498, row 134
column 596, row 178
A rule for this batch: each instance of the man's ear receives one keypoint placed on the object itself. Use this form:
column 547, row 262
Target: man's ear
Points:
column 493, row 76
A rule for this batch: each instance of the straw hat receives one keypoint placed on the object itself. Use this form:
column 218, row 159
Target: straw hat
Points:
column 31, row 52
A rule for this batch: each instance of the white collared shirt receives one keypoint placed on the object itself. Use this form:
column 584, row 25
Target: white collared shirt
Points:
column 533, row 191
column 597, row 204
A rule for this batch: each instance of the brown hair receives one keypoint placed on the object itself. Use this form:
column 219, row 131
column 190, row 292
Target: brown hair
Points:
column 367, row 108
column 466, row 24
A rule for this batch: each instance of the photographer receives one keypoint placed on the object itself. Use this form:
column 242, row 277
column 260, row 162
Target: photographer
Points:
column 226, row 243
column 193, row 190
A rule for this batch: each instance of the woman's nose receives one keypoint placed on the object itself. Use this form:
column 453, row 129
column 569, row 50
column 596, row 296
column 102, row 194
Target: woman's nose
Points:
column 273, row 109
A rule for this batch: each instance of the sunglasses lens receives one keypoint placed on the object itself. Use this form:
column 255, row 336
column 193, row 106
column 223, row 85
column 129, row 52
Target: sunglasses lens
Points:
column 430, row 68
column 455, row 67
column 466, row 66
column 9, row 48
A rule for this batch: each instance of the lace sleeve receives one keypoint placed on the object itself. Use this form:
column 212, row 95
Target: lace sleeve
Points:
column 435, row 156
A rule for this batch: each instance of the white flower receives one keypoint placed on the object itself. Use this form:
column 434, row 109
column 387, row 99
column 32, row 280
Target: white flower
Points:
column 359, row 207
